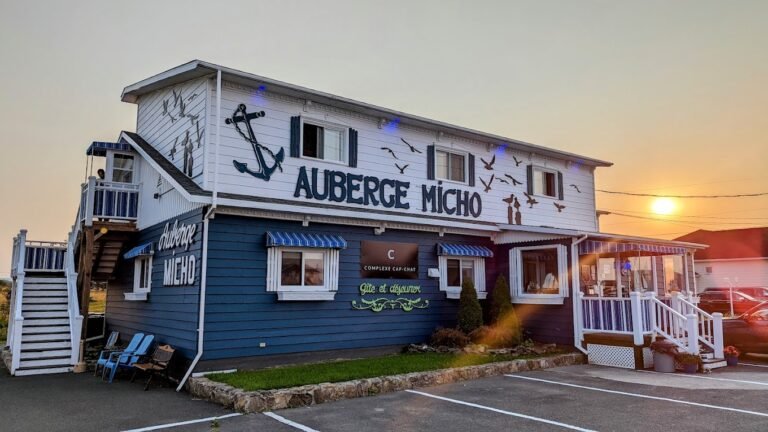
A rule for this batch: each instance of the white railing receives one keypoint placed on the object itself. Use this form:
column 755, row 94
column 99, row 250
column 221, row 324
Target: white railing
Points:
column 606, row 314
column 682, row 330
column 73, row 308
column 41, row 256
column 15, row 318
column 710, row 325
column 108, row 200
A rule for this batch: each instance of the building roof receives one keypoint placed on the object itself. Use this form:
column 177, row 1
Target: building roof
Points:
column 730, row 244
column 607, row 237
column 198, row 68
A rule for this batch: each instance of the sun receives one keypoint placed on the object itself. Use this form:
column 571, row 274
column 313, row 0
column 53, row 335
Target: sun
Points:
column 663, row 206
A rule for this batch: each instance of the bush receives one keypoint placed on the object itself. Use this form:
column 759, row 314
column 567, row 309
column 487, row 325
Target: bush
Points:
column 496, row 336
column 501, row 302
column 470, row 312
column 452, row 338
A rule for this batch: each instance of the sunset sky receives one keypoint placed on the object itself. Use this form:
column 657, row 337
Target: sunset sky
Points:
column 675, row 93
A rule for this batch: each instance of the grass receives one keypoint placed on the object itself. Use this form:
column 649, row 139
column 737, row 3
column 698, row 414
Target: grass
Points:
column 98, row 301
column 345, row 370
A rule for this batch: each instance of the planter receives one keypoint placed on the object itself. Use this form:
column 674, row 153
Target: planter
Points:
column 663, row 362
column 690, row 368
column 732, row 360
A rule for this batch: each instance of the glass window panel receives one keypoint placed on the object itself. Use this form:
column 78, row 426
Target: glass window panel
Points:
column 313, row 268
column 540, row 271
column 454, row 276
column 538, row 182
column 642, row 273
column 122, row 162
column 549, row 186
column 332, row 145
column 457, row 167
column 122, row 176
column 290, row 271
column 312, row 141
column 441, row 164
column 673, row 273
column 467, row 271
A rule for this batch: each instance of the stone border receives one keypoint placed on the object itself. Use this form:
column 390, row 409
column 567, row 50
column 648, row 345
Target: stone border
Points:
column 269, row 400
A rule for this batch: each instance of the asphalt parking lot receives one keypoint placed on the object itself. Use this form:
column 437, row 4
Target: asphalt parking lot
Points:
column 568, row 398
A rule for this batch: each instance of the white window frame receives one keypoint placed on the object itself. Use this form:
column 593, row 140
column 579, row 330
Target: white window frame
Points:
column 454, row 292
column 449, row 151
column 516, row 276
column 544, row 170
column 302, row 292
column 325, row 125
column 110, row 168
column 139, row 293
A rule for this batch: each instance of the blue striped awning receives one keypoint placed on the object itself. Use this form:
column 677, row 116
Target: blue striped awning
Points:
column 464, row 250
column 600, row 247
column 305, row 240
column 145, row 249
column 99, row 148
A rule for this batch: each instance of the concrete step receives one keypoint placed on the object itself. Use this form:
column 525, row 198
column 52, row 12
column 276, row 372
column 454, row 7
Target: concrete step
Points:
column 33, row 346
column 43, row 371
column 37, row 355
column 33, row 322
column 61, row 313
column 44, row 329
column 50, row 362
column 46, row 293
column 712, row 364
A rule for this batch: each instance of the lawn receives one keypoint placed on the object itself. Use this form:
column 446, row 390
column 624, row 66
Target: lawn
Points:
column 98, row 301
column 345, row 370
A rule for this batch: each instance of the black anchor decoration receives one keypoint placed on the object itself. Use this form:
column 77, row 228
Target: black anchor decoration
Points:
column 264, row 172
column 517, row 162
column 489, row 165
column 575, row 187
column 514, row 181
column 413, row 149
column 490, row 182
column 530, row 200
column 560, row 207
column 402, row 169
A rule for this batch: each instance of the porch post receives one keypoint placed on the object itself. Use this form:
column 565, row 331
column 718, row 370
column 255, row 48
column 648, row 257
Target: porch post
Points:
column 692, row 324
column 717, row 328
column 637, row 317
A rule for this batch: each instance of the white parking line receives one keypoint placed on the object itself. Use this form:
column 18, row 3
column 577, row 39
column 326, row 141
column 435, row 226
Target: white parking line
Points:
column 184, row 423
column 496, row 410
column 752, row 364
column 285, row 421
column 703, row 405
column 762, row 383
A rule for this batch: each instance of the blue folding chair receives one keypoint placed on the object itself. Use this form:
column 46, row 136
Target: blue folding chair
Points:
column 126, row 360
column 110, row 347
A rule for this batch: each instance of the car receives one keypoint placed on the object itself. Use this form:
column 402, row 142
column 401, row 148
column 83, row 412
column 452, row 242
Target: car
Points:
column 719, row 301
column 749, row 331
column 760, row 293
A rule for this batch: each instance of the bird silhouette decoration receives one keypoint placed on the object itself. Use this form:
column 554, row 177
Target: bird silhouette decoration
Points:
column 514, row 180
column 489, row 165
column 401, row 168
column 560, row 207
column 517, row 162
column 575, row 187
column 392, row 152
column 530, row 200
column 502, row 180
column 488, row 185
column 413, row 149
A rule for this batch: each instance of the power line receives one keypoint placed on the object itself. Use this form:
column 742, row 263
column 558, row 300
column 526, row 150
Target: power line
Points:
column 691, row 216
column 681, row 196
column 680, row 221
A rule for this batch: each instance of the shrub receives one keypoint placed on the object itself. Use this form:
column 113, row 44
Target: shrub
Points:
column 470, row 312
column 501, row 302
column 448, row 337
column 497, row 336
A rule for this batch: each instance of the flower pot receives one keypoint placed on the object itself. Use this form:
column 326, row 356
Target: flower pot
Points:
column 732, row 360
column 690, row 368
column 663, row 362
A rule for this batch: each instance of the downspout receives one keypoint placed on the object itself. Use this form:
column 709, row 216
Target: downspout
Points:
column 577, row 333
column 208, row 216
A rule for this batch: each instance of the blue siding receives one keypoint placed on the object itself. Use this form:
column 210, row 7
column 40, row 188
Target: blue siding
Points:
column 170, row 313
column 240, row 313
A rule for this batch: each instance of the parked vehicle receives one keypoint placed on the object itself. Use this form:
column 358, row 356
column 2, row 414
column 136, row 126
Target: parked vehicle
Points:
column 760, row 293
column 749, row 331
column 720, row 301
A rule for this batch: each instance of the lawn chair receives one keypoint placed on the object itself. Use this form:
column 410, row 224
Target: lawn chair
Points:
column 110, row 347
column 158, row 363
column 119, row 360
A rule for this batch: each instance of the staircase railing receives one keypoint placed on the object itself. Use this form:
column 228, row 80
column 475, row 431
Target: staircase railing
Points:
column 16, row 319
column 682, row 330
column 710, row 325
column 108, row 200
column 73, row 307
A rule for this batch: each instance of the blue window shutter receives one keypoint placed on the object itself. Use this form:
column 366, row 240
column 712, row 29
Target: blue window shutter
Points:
column 295, row 135
column 471, row 169
column 560, row 193
column 529, row 179
column 352, row 148
column 431, row 162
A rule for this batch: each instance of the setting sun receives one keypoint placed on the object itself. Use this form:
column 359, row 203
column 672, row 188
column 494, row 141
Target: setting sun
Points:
column 663, row 206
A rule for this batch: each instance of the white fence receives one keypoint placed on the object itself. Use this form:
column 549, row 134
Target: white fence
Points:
column 108, row 200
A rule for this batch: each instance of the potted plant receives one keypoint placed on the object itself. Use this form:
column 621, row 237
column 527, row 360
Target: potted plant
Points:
column 664, row 353
column 689, row 362
column 731, row 355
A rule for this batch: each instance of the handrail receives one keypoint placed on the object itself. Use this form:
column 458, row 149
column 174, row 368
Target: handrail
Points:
column 682, row 330
column 73, row 308
column 710, row 325
column 18, row 297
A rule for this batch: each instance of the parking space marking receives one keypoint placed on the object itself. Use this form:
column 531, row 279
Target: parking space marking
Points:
column 293, row 424
column 184, row 423
column 752, row 364
column 762, row 383
column 703, row 405
column 496, row 410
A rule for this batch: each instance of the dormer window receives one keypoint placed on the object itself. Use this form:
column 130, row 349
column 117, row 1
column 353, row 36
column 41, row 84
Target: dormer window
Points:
column 122, row 168
column 324, row 142
column 545, row 182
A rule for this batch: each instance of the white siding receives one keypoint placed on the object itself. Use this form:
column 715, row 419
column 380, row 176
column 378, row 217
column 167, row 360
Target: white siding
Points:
column 273, row 131
column 153, row 210
column 742, row 273
column 160, row 123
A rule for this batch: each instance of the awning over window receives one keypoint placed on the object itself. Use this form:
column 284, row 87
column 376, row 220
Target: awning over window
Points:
column 464, row 250
column 99, row 148
column 305, row 240
column 145, row 249
column 600, row 247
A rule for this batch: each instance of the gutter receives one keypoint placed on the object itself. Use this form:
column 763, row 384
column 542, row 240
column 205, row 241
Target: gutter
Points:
column 577, row 292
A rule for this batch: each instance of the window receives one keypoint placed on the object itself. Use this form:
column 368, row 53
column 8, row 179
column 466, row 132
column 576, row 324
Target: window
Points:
column 545, row 182
column 673, row 273
column 450, row 166
column 539, row 274
column 302, row 274
column 142, row 278
column 641, row 273
column 122, row 168
column 455, row 270
column 324, row 142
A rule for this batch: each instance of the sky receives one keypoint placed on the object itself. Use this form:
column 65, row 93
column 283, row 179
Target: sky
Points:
column 673, row 92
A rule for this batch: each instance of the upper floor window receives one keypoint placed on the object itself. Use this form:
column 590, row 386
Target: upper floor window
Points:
column 122, row 168
column 545, row 182
column 450, row 166
column 326, row 142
